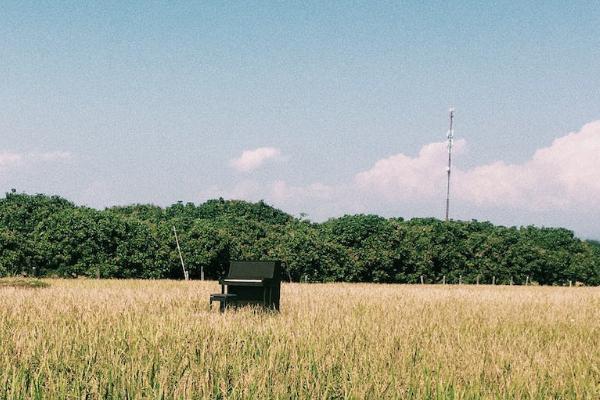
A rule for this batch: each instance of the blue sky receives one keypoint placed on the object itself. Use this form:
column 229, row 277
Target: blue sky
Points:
column 118, row 102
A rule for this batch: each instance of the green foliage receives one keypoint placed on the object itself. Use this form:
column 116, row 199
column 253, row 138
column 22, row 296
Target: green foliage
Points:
column 50, row 236
column 88, row 242
column 14, row 250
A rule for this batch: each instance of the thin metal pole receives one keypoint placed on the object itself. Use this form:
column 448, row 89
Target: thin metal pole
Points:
column 185, row 273
column 449, row 169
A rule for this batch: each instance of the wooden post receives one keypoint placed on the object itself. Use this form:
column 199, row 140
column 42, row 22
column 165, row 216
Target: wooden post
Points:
column 511, row 281
column 421, row 279
column 460, row 279
column 493, row 280
column 478, row 279
column 186, row 275
column 527, row 281
column 570, row 283
column 444, row 280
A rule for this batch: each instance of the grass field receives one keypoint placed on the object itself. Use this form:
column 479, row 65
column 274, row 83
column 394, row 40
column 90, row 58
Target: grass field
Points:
column 157, row 339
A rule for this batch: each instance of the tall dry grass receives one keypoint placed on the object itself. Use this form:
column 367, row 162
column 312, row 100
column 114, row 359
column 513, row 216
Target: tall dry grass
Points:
column 157, row 339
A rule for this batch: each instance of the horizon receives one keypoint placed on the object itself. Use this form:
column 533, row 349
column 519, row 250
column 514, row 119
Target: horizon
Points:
column 297, row 217
column 323, row 109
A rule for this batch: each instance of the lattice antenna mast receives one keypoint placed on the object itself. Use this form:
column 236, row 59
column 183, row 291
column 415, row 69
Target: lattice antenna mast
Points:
column 449, row 169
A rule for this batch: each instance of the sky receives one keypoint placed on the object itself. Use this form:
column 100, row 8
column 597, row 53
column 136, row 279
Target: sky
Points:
column 320, row 108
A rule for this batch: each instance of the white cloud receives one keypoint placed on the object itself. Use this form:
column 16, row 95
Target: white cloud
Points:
column 7, row 158
column 13, row 164
column 559, row 184
column 278, row 192
column 50, row 156
column 317, row 198
column 281, row 191
column 251, row 159
column 401, row 177
column 564, row 174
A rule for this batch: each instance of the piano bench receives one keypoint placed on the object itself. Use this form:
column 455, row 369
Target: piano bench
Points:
column 224, row 300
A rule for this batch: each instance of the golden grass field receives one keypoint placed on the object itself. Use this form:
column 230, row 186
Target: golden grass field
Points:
column 157, row 339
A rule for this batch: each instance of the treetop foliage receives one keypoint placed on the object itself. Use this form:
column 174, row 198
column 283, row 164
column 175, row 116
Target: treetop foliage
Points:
column 50, row 236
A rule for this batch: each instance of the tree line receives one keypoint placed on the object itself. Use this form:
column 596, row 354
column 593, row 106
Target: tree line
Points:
column 50, row 236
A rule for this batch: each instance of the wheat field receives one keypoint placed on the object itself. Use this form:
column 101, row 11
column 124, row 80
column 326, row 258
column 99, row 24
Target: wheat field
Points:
column 157, row 339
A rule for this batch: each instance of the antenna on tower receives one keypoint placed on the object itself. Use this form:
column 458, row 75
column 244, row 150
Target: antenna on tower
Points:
column 449, row 169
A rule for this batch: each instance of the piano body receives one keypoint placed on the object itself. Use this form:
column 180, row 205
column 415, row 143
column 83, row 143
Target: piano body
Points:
column 254, row 282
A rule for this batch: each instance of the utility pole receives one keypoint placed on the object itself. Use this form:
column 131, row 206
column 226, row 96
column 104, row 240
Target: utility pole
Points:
column 186, row 274
column 449, row 169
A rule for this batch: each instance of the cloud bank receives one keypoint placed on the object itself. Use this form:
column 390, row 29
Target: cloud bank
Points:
column 401, row 177
column 250, row 160
column 564, row 174
column 9, row 159
column 561, row 179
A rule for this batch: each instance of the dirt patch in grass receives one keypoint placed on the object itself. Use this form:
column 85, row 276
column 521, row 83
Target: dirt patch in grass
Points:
column 25, row 283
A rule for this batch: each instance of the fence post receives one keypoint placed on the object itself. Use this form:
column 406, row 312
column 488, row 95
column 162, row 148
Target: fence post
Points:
column 421, row 279
column 527, row 281
column 478, row 279
column 460, row 279
column 444, row 280
column 493, row 280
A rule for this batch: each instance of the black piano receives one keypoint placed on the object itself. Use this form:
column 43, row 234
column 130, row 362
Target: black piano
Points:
column 251, row 282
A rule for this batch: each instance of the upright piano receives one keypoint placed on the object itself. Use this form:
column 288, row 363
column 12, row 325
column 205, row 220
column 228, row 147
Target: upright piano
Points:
column 254, row 282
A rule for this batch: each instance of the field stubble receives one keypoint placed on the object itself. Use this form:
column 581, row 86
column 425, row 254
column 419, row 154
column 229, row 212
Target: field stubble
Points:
column 157, row 339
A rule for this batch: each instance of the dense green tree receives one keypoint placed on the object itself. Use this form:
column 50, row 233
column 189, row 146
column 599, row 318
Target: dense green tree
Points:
column 308, row 254
column 15, row 253
column 22, row 212
column 48, row 235
column 88, row 242
column 374, row 250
